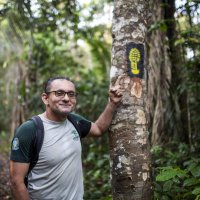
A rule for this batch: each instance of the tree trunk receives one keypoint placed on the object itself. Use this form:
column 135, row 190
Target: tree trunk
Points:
column 159, row 76
column 18, row 109
column 167, row 116
column 129, row 142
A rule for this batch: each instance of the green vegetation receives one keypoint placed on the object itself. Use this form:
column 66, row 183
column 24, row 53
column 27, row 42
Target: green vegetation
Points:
column 4, row 143
column 96, row 165
column 177, row 172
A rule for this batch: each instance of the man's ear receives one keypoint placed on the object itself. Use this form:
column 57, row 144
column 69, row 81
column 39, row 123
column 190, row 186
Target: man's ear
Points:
column 45, row 99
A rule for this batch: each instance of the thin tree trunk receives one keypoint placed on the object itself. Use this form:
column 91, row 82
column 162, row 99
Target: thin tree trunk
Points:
column 18, row 111
column 129, row 142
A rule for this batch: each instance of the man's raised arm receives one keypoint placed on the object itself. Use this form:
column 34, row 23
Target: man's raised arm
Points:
column 104, row 120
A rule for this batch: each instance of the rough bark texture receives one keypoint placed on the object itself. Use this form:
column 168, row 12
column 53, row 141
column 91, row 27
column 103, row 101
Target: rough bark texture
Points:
column 159, row 76
column 181, row 119
column 18, row 110
column 164, row 75
column 14, row 78
column 129, row 144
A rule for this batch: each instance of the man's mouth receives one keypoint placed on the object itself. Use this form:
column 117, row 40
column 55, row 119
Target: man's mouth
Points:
column 65, row 105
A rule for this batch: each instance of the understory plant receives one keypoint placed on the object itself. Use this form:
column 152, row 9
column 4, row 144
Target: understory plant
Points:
column 176, row 172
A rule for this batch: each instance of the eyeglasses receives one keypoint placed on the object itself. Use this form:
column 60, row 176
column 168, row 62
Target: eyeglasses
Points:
column 61, row 94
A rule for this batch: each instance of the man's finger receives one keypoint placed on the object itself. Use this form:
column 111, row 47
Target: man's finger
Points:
column 115, row 88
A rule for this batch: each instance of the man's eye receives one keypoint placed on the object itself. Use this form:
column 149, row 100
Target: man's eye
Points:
column 71, row 94
column 60, row 93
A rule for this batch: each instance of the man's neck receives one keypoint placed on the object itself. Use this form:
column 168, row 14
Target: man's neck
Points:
column 54, row 118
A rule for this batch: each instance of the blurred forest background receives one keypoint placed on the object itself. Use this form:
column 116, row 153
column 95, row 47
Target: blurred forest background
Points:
column 39, row 39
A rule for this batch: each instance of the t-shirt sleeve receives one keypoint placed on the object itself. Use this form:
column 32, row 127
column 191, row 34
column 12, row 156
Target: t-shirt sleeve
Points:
column 22, row 142
column 84, row 125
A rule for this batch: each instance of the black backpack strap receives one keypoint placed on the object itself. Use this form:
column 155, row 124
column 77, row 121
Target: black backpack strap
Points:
column 81, row 124
column 75, row 122
column 36, row 144
column 38, row 141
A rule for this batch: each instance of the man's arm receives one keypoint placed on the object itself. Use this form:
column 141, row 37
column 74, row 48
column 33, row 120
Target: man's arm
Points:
column 18, row 172
column 104, row 120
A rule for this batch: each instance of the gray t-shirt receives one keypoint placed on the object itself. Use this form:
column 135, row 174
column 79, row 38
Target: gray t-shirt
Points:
column 58, row 172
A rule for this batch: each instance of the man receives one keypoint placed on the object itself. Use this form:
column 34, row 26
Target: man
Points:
column 57, row 174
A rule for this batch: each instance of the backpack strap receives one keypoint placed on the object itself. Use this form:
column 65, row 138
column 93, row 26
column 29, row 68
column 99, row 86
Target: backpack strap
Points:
column 75, row 122
column 38, row 141
column 36, row 144
column 81, row 124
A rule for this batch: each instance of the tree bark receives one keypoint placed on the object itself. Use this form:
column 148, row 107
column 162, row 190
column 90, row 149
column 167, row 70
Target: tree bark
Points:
column 129, row 136
column 159, row 76
column 167, row 116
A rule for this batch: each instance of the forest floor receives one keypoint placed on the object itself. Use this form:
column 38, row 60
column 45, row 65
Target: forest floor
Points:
column 5, row 193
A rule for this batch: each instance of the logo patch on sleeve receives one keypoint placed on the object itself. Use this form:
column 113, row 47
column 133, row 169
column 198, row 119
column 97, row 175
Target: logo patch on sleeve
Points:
column 15, row 144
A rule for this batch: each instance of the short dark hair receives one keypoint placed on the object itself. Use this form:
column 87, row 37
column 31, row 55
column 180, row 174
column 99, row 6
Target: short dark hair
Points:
column 47, row 84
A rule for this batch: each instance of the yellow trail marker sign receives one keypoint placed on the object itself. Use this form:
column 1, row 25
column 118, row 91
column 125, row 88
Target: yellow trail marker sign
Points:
column 135, row 58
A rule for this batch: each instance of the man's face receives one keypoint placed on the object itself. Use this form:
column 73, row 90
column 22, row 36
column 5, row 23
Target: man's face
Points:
column 59, row 102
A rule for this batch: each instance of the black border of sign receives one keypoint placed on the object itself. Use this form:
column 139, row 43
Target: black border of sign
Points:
column 140, row 47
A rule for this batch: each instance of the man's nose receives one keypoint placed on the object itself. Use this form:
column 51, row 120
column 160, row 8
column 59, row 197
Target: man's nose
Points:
column 66, row 97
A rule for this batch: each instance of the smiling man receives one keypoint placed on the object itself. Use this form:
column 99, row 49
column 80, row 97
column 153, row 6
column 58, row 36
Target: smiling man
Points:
column 57, row 174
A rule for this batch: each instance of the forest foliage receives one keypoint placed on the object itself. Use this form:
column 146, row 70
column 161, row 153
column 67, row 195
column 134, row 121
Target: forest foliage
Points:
column 39, row 39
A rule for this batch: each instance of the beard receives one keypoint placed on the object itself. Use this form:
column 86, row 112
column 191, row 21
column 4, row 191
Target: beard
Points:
column 60, row 113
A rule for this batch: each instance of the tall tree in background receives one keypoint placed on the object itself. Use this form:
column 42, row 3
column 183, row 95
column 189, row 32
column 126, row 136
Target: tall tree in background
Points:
column 160, row 74
column 129, row 144
column 170, row 84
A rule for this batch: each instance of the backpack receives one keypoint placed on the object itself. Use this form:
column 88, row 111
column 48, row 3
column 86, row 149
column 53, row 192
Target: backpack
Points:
column 39, row 138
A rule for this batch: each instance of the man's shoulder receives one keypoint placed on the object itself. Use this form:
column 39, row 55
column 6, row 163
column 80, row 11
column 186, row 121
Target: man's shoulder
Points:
column 81, row 124
column 77, row 117
column 27, row 128
column 22, row 142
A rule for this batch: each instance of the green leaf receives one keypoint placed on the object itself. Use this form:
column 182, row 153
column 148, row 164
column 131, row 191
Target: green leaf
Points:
column 179, row 41
column 197, row 197
column 167, row 186
column 166, row 175
column 158, row 187
column 196, row 171
column 170, row 173
column 165, row 197
column 97, row 173
column 196, row 191
column 191, row 182
column 191, row 165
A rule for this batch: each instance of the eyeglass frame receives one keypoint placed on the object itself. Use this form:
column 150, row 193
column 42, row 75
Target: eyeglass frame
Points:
column 72, row 96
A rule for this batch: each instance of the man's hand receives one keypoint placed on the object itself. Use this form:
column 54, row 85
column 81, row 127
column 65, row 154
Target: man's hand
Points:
column 115, row 94
column 104, row 120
